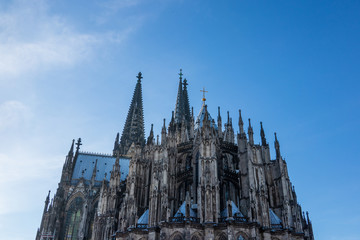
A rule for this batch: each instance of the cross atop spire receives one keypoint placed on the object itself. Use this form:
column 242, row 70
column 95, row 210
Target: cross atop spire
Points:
column 203, row 91
column 139, row 76
column 78, row 144
column 185, row 83
column 180, row 74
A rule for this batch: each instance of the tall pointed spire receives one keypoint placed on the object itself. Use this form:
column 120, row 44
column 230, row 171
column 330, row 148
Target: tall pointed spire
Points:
column 179, row 107
column 134, row 125
column 186, row 102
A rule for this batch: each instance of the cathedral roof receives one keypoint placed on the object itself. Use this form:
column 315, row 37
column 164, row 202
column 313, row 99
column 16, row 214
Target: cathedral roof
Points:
column 235, row 211
column 182, row 211
column 85, row 164
column 200, row 118
column 144, row 219
column 274, row 219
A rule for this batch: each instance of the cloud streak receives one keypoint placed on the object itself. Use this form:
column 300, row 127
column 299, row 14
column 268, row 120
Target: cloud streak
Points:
column 31, row 39
column 13, row 113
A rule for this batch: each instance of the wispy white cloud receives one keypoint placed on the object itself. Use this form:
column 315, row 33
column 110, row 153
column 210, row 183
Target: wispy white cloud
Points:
column 32, row 39
column 13, row 113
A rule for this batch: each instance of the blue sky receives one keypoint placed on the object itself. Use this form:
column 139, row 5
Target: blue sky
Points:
column 67, row 70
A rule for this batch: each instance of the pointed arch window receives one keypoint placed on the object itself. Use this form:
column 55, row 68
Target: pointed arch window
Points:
column 73, row 219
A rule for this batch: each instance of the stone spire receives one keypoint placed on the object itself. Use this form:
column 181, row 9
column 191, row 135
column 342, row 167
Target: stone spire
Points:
column 134, row 125
column 163, row 134
column 251, row 133
column 150, row 140
column 93, row 176
column 71, row 151
column 47, row 200
column 229, row 131
column 186, row 102
column 262, row 135
column 277, row 147
column 219, row 121
column 241, row 124
column 179, row 107
column 116, row 144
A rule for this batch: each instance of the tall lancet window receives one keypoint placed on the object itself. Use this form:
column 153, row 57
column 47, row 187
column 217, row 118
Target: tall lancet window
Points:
column 73, row 219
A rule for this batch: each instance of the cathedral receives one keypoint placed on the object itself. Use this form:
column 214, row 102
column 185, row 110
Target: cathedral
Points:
column 200, row 178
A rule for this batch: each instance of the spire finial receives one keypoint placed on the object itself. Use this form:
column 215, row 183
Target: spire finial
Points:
column 139, row 76
column 78, row 144
column 180, row 74
column 164, row 124
column 185, row 83
column 203, row 91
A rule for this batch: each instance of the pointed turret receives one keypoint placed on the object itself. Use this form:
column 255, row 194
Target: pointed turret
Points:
column 71, row 151
column 172, row 126
column 262, row 134
column 251, row 133
column 229, row 131
column 277, row 147
column 150, row 140
column 163, row 134
column 116, row 144
column 219, row 121
column 67, row 168
column 134, row 126
column 93, row 176
column 47, row 200
column 115, row 174
column 241, row 124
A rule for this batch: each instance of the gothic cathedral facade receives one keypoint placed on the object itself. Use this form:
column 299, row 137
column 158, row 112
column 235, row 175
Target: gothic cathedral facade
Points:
column 198, row 180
